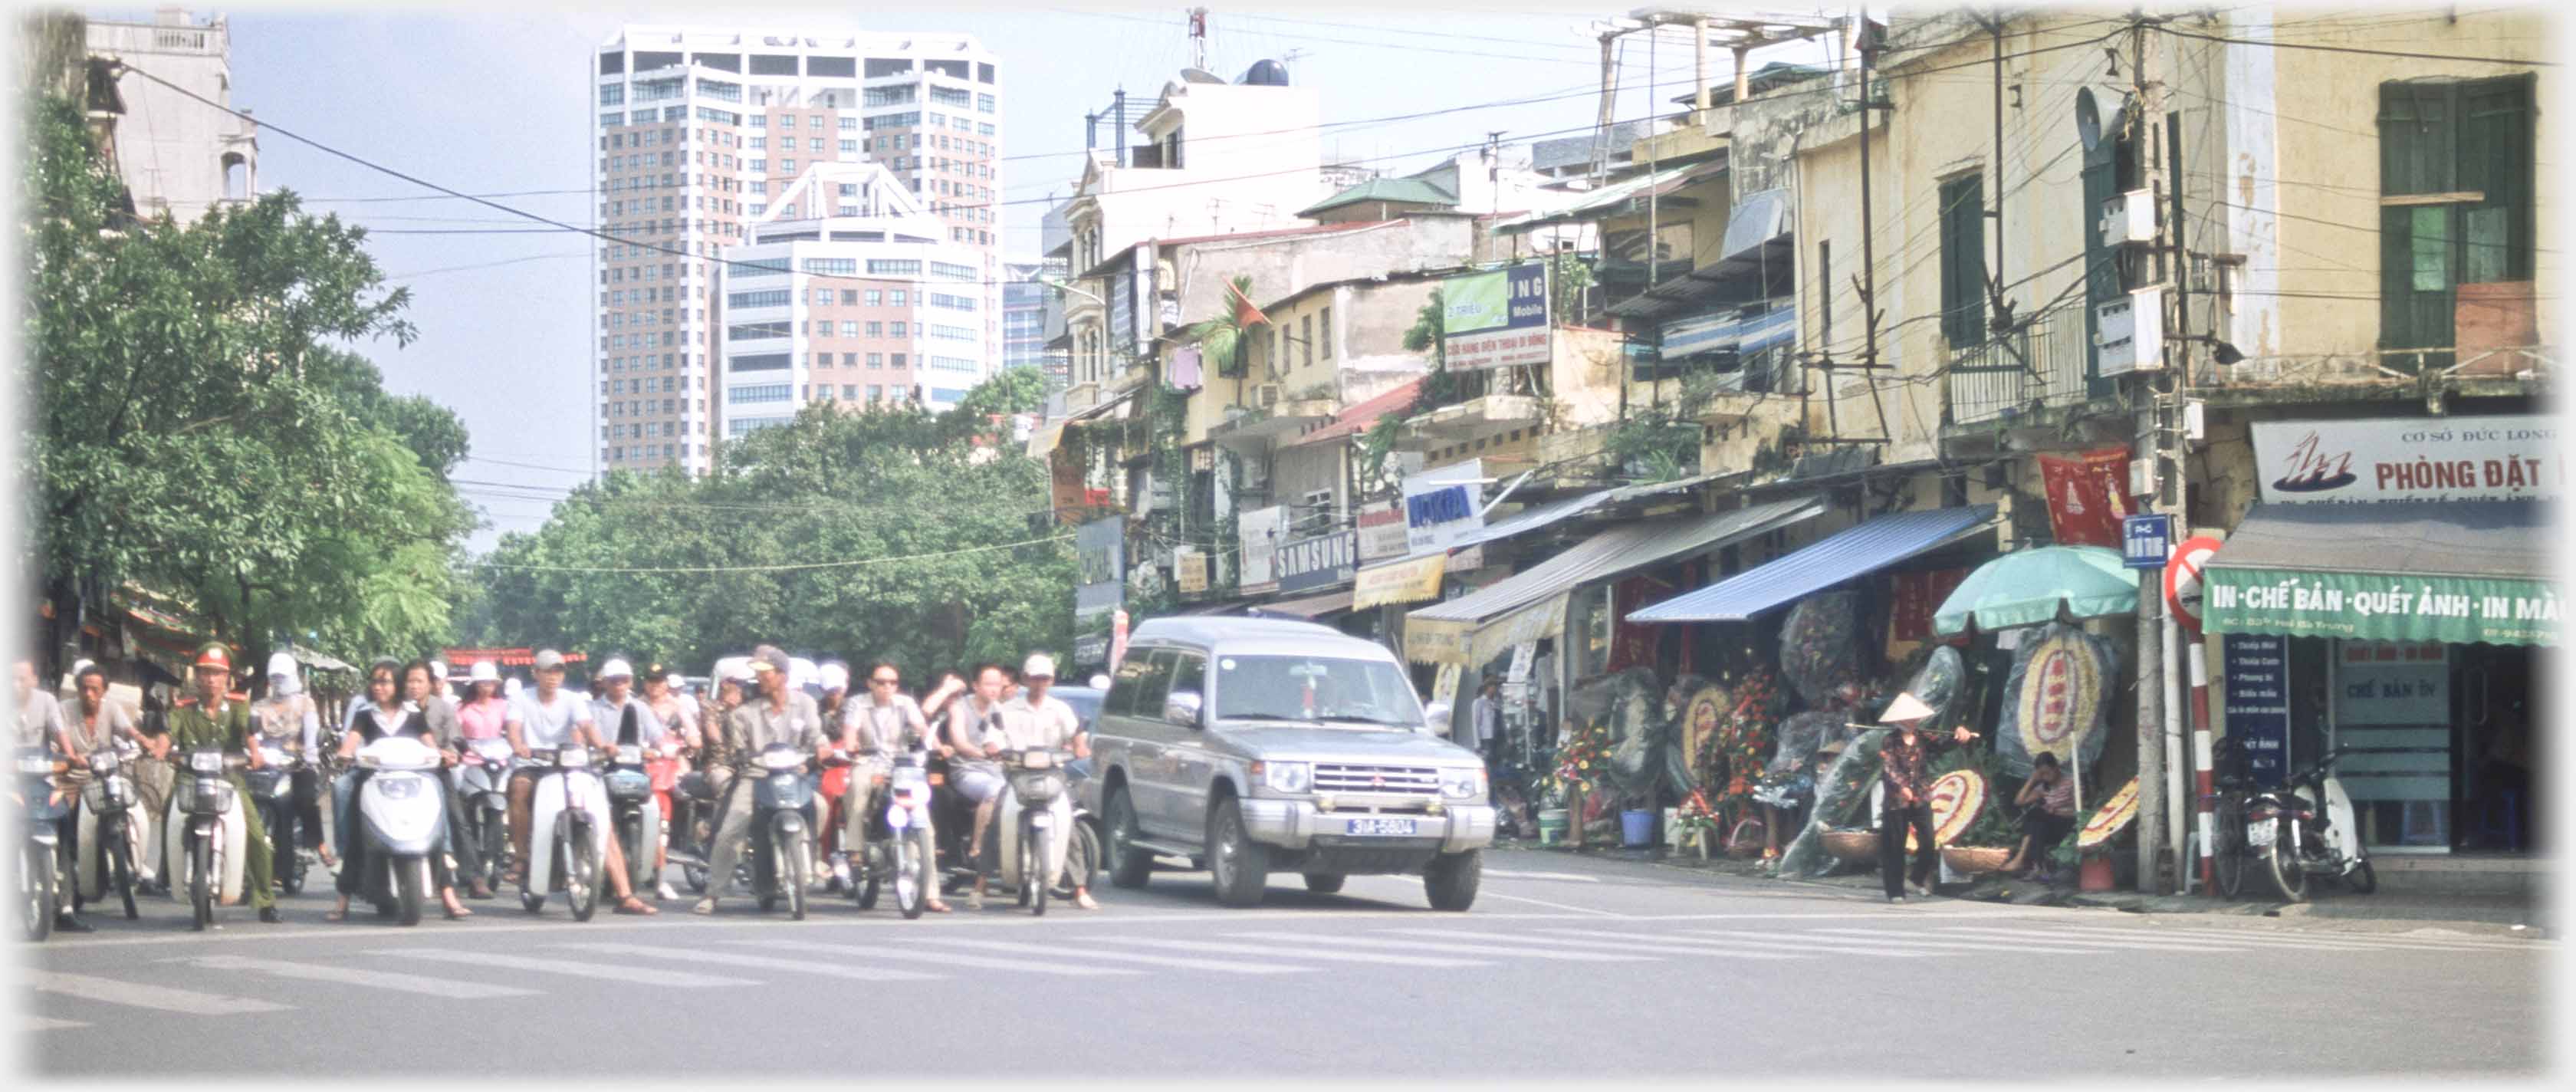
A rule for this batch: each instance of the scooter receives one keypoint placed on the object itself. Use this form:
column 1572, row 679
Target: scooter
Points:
column 693, row 803
column 634, row 815
column 40, row 852
column 1037, row 777
column 111, row 833
column 2306, row 828
column 402, row 812
column 1082, row 855
column 483, row 780
column 576, row 838
column 898, row 852
column 272, row 790
column 206, row 834
column 781, row 798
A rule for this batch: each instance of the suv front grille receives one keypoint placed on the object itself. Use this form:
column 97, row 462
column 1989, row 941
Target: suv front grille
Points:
column 1335, row 777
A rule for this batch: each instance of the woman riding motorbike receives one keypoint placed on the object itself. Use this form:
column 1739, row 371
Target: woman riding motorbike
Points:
column 382, row 716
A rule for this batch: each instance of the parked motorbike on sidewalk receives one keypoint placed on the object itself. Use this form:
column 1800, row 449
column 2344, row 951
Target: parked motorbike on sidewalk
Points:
column 206, row 833
column 110, row 832
column 568, row 833
column 2303, row 828
column 781, row 827
column 483, row 780
column 402, row 819
column 898, row 852
column 272, row 791
column 40, row 849
column 1037, row 778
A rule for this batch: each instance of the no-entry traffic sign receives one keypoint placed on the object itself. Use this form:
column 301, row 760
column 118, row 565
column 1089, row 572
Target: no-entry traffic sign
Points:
column 2182, row 578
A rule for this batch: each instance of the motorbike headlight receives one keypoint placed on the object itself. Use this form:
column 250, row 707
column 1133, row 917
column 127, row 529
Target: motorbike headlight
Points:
column 1285, row 777
column 1462, row 784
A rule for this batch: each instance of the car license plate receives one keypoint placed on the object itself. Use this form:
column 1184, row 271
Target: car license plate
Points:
column 1381, row 827
column 2258, row 835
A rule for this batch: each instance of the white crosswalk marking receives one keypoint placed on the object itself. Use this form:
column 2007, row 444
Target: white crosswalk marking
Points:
column 355, row 976
column 47, row 1023
column 1455, row 949
column 2136, row 944
column 2033, row 945
column 1219, row 948
column 945, row 959
column 1644, row 944
column 2248, row 939
column 766, row 963
column 612, row 972
column 1800, row 942
column 143, row 996
column 1220, row 966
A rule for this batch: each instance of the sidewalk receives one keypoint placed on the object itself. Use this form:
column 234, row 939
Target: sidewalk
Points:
column 2530, row 911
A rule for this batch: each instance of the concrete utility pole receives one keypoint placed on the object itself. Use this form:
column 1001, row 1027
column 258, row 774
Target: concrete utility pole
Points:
column 2158, row 410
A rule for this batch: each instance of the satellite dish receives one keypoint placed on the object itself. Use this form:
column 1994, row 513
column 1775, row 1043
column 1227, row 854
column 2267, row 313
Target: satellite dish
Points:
column 2088, row 119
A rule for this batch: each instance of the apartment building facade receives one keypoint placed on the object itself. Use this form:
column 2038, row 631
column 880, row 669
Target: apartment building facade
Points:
column 177, row 155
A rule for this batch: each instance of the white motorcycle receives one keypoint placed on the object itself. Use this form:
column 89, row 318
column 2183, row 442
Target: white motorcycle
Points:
column 898, row 852
column 2306, row 828
column 402, row 820
column 204, row 837
column 568, row 833
column 113, row 833
column 483, row 781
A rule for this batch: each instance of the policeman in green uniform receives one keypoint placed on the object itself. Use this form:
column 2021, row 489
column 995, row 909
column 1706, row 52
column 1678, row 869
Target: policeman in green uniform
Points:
column 212, row 716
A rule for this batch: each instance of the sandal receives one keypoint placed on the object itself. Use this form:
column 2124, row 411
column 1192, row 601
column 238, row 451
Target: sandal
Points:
column 458, row 914
column 634, row 905
column 341, row 914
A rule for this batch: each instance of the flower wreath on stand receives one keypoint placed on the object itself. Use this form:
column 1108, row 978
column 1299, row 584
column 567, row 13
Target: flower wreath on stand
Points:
column 1743, row 738
column 1580, row 765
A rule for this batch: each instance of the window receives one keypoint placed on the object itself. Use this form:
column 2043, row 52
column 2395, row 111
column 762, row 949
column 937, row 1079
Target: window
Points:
column 759, row 166
column 949, row 363
column 953, row 303
column 766, row 392
column 899, row 330
column 876, row 360
column 876, row 329
column 875, row 298
column 814, row 122
column 952, row 271
column 1963, row 260
column 894, row 267
column 822, row 296
column 951, row 96
column 787, row 166
column 849, row 392
column 760, row 144
column 849, row 328
column 952, row 333
column 1306, row 339
column 2456, row 184
column 749, row 331
column 875, row 392
column 1324, row 327
column 983, row 104
column 816, row 144
column 896, row 361
column 899, row 298
column 612, row 94
column 832, row 267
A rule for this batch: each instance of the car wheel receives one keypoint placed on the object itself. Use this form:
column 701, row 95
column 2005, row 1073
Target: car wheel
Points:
column 1239, row 865
column 1452, row 878
column 1129, row 864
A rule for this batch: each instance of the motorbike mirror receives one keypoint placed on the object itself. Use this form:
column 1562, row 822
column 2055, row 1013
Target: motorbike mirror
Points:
column 1183, row 708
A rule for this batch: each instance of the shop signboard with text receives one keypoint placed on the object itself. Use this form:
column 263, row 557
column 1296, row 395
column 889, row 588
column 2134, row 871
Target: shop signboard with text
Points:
column 1443, row 504
column 1100, row 571
column 1319, row 562
column 2409, row 458
column 1259, row 531
column 2257, row 695
column 1495, row 319
column 1381, row 527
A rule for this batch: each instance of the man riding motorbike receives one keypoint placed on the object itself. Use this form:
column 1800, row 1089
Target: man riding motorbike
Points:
column 550, row 717
column 1033, row 720
column 41, row 728
column 779, row 715
column 213, row 716
column 873, row 729
column 680, row 739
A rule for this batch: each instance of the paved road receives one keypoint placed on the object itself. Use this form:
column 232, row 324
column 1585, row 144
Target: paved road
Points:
column 1567, row 967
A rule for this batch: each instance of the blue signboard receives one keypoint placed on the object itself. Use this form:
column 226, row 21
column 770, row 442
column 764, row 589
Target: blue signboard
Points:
column 2257, row 697
column 1319, row 562
column 2147, row 541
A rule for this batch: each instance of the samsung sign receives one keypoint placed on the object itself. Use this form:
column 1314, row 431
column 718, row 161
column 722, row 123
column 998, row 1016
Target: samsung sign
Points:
column 1319, row 562
column 1441, row 505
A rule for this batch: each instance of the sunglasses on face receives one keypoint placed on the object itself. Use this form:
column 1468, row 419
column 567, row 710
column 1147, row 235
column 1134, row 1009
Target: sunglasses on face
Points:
column 883, row 682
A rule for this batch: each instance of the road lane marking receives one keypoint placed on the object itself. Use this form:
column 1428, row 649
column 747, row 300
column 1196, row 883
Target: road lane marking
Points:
column 1798, row 942
column 945, row 959
column 47, row 1023
column 355, row 976
column 1455, row 949
column 1062, row 950
column 1629, row 943
column 137, row 994
column 731, row 959
column 2029, row 944
column 1567, row 877
column 2143, row 943
column 1551, row 905
column 1220, row 948
column 642, row 976
column 2276, row 940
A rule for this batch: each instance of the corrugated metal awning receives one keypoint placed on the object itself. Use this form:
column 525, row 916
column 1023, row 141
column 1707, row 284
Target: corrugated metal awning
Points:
column 1848, row 553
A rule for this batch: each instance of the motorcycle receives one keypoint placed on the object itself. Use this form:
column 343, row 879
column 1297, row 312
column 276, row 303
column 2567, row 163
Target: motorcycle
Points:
column 402, row 812
column 272, row 790
column 634, row 815
column 781, row 799
column 576, row 839
column 110, row 832
column 1037, row 778
column 2306, row 828
column 1082, row 855
column 40, row 852
column 898, row 851
column 693, row 803
column 205, row 837
column 483, row 780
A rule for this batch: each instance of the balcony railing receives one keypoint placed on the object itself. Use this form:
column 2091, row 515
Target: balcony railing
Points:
column 115, row 38
column 2038, row 366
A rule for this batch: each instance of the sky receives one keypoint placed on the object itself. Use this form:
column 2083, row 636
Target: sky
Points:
column 499, row 101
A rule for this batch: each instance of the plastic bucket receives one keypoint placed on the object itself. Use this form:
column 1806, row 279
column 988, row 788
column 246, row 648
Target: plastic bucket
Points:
column 1551, row 826
column 1636, row 828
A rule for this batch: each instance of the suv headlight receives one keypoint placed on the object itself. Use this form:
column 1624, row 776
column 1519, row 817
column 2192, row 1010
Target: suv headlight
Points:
column 1463, row 784
column 1286, row 777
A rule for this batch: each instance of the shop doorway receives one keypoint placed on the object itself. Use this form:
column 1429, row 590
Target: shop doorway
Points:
column 2499, row 708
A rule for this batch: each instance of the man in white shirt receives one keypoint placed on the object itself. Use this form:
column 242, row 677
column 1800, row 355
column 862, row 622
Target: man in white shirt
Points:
column 875, row 728
column 1037, row 719
column 548, row 717
column 1486, row 712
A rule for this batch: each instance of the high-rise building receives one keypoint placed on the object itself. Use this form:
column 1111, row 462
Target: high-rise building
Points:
column 701, row 132
column 1027, row 303
column 845, row 293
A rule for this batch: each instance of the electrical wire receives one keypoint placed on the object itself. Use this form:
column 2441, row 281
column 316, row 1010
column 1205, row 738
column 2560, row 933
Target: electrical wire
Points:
column 2403, row 54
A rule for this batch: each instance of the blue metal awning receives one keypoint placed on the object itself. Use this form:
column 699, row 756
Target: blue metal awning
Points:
column 1730, row 330
column 1848, row 553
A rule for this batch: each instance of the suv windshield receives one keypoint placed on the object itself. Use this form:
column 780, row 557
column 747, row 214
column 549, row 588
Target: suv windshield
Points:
column 1312, row 688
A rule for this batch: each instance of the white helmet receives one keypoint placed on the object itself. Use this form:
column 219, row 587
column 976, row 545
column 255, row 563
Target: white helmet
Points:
column 482, row 671
column 510, row 687
column 282, row 678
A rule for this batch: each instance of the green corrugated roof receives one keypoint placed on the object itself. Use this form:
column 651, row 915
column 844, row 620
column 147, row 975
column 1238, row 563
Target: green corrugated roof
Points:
column 1404, row 190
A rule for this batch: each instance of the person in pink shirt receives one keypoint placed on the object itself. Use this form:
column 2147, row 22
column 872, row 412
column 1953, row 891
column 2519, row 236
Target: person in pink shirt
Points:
column 478, row 717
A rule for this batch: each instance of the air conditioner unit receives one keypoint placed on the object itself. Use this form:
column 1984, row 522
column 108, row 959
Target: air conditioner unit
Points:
column 2129, row 218
column 1316, row 498
column 2129, row 333
column 1265, row 395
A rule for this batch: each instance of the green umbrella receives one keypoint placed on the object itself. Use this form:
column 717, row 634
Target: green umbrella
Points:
column 2031, row 587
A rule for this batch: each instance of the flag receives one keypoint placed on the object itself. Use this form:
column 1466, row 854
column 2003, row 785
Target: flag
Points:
column 1245, row 314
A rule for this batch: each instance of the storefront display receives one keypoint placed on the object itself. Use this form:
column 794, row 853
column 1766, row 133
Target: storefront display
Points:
column 1820, row 647
column 2057, row 693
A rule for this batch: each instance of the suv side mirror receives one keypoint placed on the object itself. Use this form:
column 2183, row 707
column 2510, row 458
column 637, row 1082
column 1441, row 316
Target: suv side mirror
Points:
column 1182, row 709
column 1437, row 715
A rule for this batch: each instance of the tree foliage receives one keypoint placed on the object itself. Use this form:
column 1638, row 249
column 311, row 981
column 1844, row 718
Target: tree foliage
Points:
column 200, row 432
column 884, row 532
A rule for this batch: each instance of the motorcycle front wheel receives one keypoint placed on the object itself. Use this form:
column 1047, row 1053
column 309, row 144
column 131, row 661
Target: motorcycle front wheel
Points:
column 2227, row 851
column 796, row 877
column 36, row 883
column 2282, row 859
column 120, row 863
column 1033, row 878
column 912, row 879
column 581, row 875
column 289, row 864
column 410, row 876
column 201, row 880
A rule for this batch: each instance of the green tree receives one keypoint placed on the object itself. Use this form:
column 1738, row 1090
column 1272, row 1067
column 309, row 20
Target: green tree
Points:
column 200, row 433
column 1222, row 340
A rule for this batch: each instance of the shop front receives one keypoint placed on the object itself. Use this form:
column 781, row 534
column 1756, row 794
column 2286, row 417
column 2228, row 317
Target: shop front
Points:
column 2399, row 610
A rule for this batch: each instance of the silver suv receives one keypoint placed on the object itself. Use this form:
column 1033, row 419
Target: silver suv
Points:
column 1255, row 745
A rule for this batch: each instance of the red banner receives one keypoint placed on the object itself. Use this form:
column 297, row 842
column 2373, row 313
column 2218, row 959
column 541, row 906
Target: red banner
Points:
column 1918, row 595
column 2088, row 496
column 505, row 657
